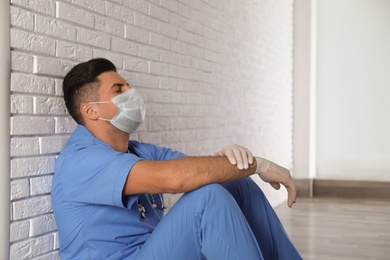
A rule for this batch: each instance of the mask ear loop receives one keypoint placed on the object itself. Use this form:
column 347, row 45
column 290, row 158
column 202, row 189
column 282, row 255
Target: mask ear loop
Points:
column 102, row 102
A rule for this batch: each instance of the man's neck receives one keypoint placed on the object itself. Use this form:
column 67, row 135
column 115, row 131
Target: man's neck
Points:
column 115, row 138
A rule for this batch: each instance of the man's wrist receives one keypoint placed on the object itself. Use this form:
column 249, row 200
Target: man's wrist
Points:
column 262, row 164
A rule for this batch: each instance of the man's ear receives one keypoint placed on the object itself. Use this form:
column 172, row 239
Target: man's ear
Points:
column 88, row 111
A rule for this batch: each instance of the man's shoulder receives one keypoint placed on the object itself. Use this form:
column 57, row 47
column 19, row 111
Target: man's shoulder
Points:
column 82, row 139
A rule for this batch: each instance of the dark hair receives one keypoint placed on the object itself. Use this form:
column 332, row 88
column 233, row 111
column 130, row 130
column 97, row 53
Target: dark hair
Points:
column 81, row 85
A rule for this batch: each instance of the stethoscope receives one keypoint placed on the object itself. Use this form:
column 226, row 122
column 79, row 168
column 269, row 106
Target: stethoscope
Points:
column 142, row 210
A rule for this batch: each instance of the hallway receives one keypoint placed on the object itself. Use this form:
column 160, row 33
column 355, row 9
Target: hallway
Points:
column 338, row 229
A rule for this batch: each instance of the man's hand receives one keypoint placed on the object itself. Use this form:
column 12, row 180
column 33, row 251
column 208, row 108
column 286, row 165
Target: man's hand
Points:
column 237, row 155
column 275, row 175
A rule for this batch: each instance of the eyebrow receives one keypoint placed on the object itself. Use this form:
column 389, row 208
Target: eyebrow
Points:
column 119, row 85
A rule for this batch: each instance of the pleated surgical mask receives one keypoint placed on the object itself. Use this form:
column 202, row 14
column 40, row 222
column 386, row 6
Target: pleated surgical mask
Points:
column 131, row 111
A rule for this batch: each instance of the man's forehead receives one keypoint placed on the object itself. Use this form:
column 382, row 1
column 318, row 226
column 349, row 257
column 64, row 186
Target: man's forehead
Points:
column 110, row 78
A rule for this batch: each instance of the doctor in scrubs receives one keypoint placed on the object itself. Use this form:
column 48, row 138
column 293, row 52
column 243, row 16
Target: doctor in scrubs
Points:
column 107, row 191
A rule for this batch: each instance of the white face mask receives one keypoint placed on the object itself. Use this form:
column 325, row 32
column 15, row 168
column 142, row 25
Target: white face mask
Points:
column 131, row 111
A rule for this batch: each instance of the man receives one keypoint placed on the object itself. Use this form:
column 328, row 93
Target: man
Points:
column 106, row 191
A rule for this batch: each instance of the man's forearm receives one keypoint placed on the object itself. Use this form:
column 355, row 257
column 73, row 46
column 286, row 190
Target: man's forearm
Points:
column 182, row 175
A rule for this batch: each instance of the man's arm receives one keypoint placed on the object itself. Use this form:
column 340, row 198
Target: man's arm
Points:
column 182, row 175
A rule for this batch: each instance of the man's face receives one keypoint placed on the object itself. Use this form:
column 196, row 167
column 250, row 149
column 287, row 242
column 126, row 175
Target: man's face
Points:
column 111, row 85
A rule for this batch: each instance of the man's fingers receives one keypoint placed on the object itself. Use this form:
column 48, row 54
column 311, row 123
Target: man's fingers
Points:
column 245, row 157
column 239, row 159
column 292, row 193
column 231, row 156
column 250, row 156
column 237, row 155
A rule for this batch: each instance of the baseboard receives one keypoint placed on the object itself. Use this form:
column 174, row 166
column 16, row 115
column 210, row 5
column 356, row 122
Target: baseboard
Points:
column 343, row 189
column 304, row 187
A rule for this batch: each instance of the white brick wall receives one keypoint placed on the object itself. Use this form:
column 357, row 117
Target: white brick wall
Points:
column 212, row 73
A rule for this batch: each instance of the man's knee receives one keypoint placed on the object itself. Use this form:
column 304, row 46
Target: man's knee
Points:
column 214, row 195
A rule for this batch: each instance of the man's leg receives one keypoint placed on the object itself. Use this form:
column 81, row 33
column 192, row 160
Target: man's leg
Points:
column 265, row 224
column 203, row 224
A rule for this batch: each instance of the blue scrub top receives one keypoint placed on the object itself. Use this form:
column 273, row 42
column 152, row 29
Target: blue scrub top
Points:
column 94, row 219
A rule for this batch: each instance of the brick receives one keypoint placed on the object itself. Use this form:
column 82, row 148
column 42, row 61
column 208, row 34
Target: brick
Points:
column 179, row 46
column 25, row 167
column 167, row 30
column 159, row 68
column 144, row 80
column 148, row 137
column 73, row 51
column 179, row 72
column 58, row 87
column 178, row 123
column 194, row 122
column 159, row 13
column 160, row 96
column 148, row 52
column 49, row 106
column 40, row 185
column 171, row 137
column 19, row 230
column 145, row 22
column 73, row 14
column 176, row 58
column 194, row 148
column 187, row 135
column 31, row 125
column 51, row 66
column 28, row 83
column 170, row 5
column 31, row 207
column 138, row 5
column 64, row 125
column 50, row 256
column 109, row 26
column 123, row 46
column 184, row 10
column 21, row 62
column 93, row 38
column 55, row 28
column 169, row 83
column 153, row 109
column 135, row 64
column 185, row 23
column 204, row 65
column 21, row 18
column 56, row 241
column 24, row 146
column 179, row 98
column 52, row 144
column 160, row 41
column 32, row 247
column 42, row 224
column 136, row 34
column 41, row 6
column 19, row 189
column 121, row 13
column 185, row 36
column 93, row 5
column 195, row 51
column 22, row 104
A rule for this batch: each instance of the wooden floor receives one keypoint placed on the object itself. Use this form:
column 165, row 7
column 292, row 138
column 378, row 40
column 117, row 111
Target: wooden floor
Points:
column 338, row 229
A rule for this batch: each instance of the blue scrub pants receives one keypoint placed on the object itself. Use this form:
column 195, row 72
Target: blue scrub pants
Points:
column 228, row 221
